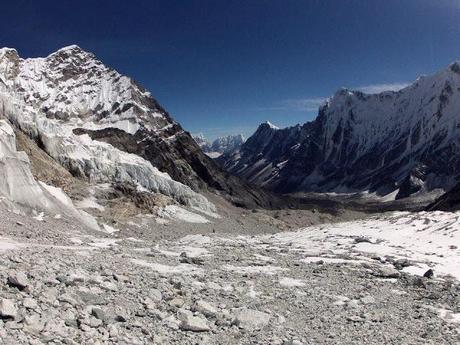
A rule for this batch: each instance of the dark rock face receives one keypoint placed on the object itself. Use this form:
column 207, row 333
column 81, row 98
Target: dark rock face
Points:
column 184, row 161
column 406, row 141
column 449, row 201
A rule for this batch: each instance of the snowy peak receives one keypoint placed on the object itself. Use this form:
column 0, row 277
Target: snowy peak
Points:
column 270, row 125
column 72, row 85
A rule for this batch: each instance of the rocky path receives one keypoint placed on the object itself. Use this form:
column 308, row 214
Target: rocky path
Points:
column 74, row 287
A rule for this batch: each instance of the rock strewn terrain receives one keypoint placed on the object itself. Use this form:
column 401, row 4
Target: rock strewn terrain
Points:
column 61, row 283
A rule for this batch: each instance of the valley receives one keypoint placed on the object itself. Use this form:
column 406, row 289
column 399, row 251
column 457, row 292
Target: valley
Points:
column 118, row 227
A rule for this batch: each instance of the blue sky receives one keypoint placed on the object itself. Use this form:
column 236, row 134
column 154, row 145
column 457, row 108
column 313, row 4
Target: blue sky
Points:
column 222, row 66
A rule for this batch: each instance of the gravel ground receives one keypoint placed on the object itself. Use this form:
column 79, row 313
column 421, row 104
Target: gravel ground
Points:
column 61, row 283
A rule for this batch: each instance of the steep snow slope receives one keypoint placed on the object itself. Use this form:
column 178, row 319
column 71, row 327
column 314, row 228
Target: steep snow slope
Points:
column 407, row 141
column 16, row 181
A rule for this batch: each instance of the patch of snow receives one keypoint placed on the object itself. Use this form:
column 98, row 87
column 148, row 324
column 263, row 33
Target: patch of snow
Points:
column 271, row 125
column 103, row 243
column 39, row 217
column 291, row 282
column 268, row 270
column 165, row 269
column 7, row 244
column 109, row 229
column 263, row 258
column 58, row 193
column 89, row 202
column 312, row 259
column 449, row 315
column 196, row 240
column 180, row 213
column 213, row 155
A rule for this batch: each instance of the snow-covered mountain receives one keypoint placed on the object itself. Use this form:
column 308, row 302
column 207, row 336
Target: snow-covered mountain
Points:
column 227, row 144
column 221, row 145
column 400, row 142
column 202, row 142
column 104, row 127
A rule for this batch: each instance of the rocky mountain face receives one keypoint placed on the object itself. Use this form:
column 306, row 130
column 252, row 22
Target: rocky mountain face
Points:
column 403, row 142
column 449, row 201
column 221, row 145
column 103, row 127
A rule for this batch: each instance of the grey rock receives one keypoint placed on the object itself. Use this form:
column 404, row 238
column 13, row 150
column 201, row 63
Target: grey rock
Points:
column 18, row 279
column 8, row 308
column 33, row 324
column 98, row 313
column 251, row 319
column 387, row 272
column 155, row 295
column 205, row 308
column 29, row 303
column 177, row 302
column 192, row 323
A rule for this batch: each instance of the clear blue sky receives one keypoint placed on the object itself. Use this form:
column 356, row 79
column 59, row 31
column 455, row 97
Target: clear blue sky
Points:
column 223, row 66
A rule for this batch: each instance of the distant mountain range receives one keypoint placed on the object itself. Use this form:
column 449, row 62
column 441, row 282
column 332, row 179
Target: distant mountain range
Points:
column 219, row 146
column 400, row 143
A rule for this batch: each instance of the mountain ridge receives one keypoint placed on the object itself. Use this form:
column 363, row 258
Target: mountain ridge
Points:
column 406, row 141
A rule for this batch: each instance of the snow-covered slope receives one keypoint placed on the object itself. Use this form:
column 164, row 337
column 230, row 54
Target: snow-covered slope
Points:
column 221, row 145
column 426, row 239
column 407, row 141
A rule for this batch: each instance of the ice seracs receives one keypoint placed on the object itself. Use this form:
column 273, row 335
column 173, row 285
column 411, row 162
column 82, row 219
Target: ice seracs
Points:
column 19, row 189
column 16, row 181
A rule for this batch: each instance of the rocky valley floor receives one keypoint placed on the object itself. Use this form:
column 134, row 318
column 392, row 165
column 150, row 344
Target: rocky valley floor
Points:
column 356, row 282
